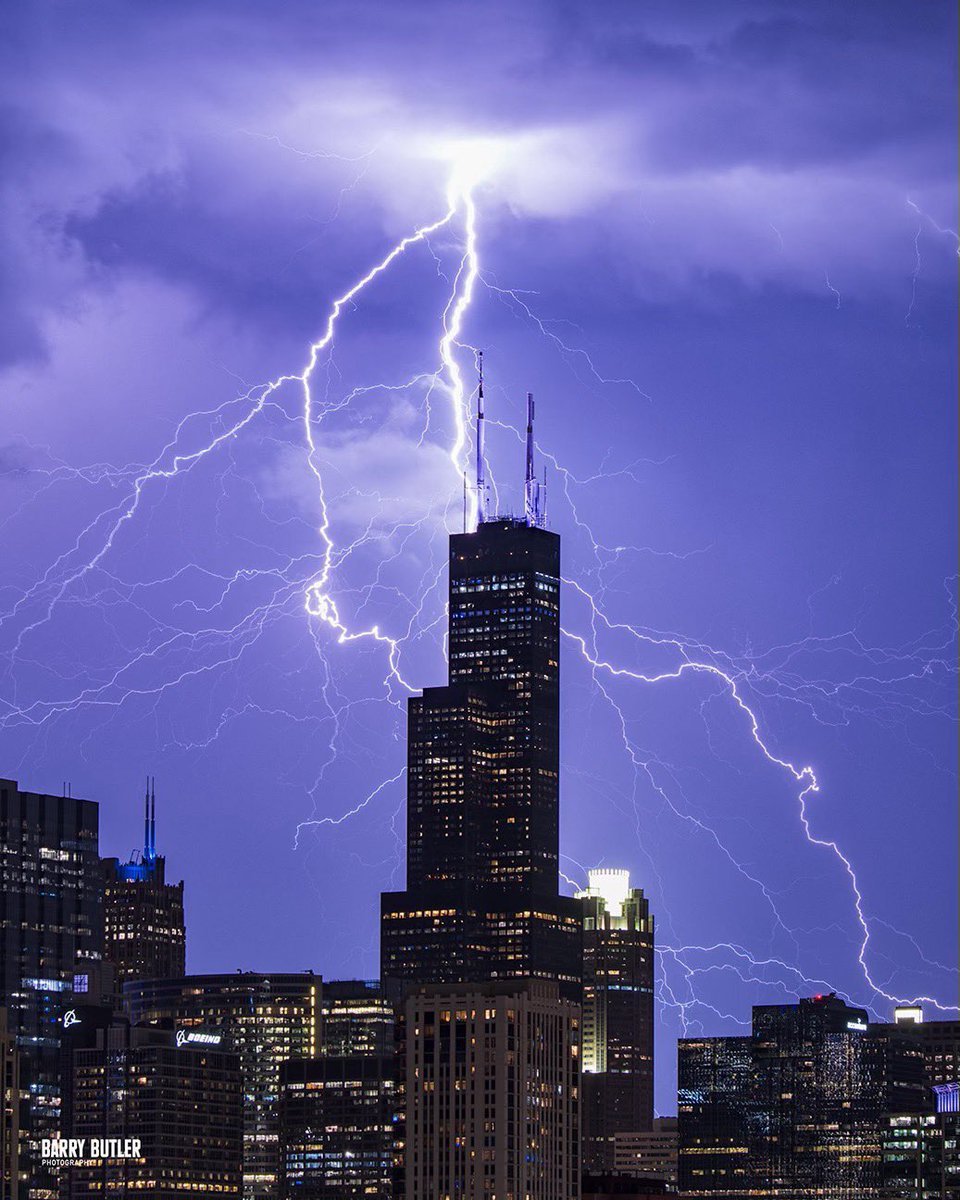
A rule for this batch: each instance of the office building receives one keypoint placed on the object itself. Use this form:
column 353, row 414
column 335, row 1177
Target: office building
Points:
column 266, row 1019
column 11, row 1099
column 168, row 1107
column 337, row 1111
column 650, row 1154
column 796, row 1108
column 482, row 899
column 51, row 918
column 921, row 1156
column 357, row 1017
column 144, row 935
column 715, row 1120
column 490, row 1081
column 939, row 1041
column 337, row 1126
column 618, row 959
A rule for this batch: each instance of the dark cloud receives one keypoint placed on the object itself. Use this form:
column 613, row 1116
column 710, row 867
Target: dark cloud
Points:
column 743, row 208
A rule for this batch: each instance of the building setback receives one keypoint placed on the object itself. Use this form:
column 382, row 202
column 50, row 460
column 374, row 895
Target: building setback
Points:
column 144, row 934
column 51, row 930
column 796, row 1108
column 617, row 1015
column 180, row 1100
column 266, row 1019
column 490, row 1087
column 482, row 899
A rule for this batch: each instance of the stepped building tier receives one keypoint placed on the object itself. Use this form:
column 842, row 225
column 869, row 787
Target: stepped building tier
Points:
column 482, row 900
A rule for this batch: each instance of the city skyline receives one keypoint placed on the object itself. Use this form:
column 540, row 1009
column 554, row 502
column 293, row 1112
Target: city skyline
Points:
column 752, row 469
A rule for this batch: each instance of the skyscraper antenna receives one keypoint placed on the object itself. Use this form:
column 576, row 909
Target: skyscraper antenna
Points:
column 481, row 465
column 146, row 822
column 152, row 832
column 531, row 485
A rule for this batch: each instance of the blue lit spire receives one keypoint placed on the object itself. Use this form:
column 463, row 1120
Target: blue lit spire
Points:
column 150, row 823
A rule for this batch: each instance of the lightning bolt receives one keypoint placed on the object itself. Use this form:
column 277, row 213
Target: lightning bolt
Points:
column 309, row 583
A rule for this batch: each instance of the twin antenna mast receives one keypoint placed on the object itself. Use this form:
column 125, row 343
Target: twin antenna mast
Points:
column 534, row 490
column 150, row 822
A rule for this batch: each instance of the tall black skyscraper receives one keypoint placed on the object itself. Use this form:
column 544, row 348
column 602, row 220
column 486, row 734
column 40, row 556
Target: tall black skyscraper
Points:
column 483, row 772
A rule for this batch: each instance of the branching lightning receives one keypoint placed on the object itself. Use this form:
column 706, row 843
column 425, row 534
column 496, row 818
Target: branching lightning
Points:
column 310, row 583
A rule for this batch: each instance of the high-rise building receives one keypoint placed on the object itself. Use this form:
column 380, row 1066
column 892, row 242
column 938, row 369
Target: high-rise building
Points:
column 357, row 1017
column 337, row 1126
column 796, row 1108
column 482, row 898
column 939, row 1042
column 649, row 1154
column 144, row 935
column 618, row 961
column 266, row 1019
column 921, row 1156
column 51, row 930
column 170, row 1106
column 490, row 1081
column 715, row 1120
column 11, row 1099
column 337, row 1112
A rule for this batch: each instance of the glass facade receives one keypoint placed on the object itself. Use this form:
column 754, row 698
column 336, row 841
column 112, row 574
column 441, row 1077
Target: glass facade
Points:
column 51, row 929
column 266, row 1019
column 796, row 1108
column 482, row 898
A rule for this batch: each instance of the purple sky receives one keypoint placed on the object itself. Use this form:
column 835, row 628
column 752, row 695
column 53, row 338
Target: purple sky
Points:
column 716, row 240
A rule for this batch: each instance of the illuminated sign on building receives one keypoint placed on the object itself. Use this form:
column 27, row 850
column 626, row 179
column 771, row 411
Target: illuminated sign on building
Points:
column 70, row 1018
column 194, row 1037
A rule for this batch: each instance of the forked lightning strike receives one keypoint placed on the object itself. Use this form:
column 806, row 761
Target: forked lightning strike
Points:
column 317, row 599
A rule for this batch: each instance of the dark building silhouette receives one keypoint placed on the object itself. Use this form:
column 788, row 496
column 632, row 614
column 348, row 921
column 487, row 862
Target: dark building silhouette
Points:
column 482, row 897
column 796, row 1109
column 11, row 1099
column 144, row 935
column 715, row 1116
column 51, row 931
column 266, row 1019
column 337, row 1112
column 172, row 1106
column 337, row 1126
column 617, row 1015
column 617, row 1186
